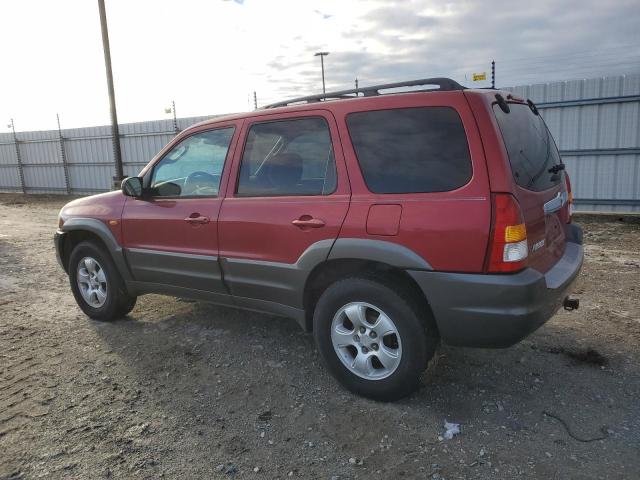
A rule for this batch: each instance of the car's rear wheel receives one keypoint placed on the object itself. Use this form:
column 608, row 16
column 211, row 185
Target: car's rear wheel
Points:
column 96, row 283
column 375, row 339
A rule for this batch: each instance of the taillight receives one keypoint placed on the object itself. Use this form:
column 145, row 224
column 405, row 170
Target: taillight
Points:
column 508, row 249
column 569, row 196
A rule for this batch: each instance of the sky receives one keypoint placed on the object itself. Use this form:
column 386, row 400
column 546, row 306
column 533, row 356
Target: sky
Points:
column 209, row 56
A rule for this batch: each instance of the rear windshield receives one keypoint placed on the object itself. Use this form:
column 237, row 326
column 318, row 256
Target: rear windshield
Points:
column 532, row 151
column 411, row 150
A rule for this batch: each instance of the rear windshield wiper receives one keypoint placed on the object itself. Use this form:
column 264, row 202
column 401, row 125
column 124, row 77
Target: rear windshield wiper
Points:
column 556, row 168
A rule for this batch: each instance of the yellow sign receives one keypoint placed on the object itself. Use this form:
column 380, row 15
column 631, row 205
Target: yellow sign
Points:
column 479, row 76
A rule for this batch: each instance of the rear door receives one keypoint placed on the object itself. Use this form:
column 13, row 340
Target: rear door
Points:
column 288, row 203
column 539, row 187
column 418, row 176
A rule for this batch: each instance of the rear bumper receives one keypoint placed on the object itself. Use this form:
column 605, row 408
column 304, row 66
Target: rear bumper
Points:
column 475, row 310
column 58, row 241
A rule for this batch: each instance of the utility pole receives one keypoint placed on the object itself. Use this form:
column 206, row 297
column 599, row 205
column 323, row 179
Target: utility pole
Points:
column 322, row 55
column 63, row 157
column 255, row 100
column 172, row 109
column 175, row 118
column 115, row 134
column 18, row 157
column 356, row 83
column 493, row 74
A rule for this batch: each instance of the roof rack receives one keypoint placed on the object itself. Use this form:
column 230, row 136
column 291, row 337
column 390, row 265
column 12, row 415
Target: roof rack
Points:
column 444, row 84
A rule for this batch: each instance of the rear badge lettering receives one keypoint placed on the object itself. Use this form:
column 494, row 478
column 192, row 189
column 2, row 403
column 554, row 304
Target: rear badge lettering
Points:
column 537, row 245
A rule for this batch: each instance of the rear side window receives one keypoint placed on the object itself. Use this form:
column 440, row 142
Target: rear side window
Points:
column 532, row 151
column 411, row 150
column 288, row 157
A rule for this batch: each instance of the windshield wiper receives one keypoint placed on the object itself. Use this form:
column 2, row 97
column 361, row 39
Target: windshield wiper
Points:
column 556, row 168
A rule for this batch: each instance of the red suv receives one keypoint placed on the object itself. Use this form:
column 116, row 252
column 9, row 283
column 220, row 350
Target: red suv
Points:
column 382, row 222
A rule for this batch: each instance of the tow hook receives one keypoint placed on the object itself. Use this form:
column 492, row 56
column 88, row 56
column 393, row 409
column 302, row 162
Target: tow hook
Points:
column 570, row 304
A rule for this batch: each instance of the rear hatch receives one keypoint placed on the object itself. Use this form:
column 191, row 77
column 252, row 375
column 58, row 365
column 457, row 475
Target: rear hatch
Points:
column 540, row 186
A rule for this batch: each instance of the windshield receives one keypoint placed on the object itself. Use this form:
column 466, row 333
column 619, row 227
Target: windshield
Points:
column 532, row 151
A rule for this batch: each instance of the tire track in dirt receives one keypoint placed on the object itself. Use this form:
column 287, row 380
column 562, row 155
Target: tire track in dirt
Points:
column 22, row 378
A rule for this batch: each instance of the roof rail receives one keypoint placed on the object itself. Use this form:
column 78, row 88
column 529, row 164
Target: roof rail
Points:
column 444, row 84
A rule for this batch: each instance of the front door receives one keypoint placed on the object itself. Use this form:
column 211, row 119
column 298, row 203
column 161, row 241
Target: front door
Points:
column 287, row 206
column 170, row 234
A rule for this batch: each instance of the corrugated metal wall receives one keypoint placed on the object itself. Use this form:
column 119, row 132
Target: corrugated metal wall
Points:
column 80, row 160
column 596, row 123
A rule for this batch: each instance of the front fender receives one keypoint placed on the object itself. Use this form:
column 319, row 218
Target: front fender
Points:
column 100, row 230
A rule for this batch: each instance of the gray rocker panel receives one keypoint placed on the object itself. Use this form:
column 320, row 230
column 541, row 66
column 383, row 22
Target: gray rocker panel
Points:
column 227, row 300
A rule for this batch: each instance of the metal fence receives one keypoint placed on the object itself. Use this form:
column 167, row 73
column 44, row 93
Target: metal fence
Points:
column 596, row 123
column 79, row 160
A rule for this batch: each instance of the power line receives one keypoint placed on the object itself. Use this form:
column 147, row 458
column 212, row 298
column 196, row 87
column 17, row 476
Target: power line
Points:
column 554, row 65
column 512, row 65
column 599, row 69
column 573, row 54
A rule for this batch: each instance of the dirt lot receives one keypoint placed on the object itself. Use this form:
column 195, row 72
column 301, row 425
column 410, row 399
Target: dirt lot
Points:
column 189, row 390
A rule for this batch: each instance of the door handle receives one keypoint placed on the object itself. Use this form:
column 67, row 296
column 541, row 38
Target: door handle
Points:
column 196, row 218
column 308, row 222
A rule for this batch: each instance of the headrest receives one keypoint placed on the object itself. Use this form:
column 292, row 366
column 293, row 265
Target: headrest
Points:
column 284, row 169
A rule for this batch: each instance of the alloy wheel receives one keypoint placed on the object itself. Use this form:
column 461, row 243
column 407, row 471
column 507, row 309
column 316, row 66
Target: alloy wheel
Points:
column 366, row 340
column 92, row 282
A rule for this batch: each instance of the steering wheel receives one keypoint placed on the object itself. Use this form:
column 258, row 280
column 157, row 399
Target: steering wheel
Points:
column 201, row 183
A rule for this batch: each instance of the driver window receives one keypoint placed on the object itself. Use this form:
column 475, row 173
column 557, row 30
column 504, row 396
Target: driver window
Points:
column 193, row 167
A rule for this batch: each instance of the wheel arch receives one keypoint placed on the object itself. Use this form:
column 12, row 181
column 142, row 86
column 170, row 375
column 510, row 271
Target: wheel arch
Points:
column 332, row 270
column 77, row 230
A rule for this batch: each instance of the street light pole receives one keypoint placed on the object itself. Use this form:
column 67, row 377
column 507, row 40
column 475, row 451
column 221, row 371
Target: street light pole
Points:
column 115, row 134
column 322, row 55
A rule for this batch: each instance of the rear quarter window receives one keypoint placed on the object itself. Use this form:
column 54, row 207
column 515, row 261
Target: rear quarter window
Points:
column 532, row 151
column 411, row 150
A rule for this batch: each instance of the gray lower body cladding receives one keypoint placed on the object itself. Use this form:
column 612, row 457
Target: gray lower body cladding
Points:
column 472, row 310
column 497, row 311
column 201, row 272
column 58, row 240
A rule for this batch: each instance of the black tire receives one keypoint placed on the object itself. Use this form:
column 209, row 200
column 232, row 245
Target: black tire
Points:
column 128, row 305
column 411, row 317
column 118, row 302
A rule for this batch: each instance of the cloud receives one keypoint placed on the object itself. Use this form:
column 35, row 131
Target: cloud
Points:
column 210, row 55
column 530, row 41
column 399, row 18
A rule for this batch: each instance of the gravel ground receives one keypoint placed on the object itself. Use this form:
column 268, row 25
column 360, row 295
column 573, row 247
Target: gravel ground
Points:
column 184, row 389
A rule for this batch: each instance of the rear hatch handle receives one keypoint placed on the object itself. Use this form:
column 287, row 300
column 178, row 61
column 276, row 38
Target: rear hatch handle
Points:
column 556, row 168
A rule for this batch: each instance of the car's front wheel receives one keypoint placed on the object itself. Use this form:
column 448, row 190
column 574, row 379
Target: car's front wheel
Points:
column 96, row 283
column 375, row 339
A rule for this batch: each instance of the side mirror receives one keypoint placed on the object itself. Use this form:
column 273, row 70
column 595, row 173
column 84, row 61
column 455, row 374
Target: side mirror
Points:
column 132, row 186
